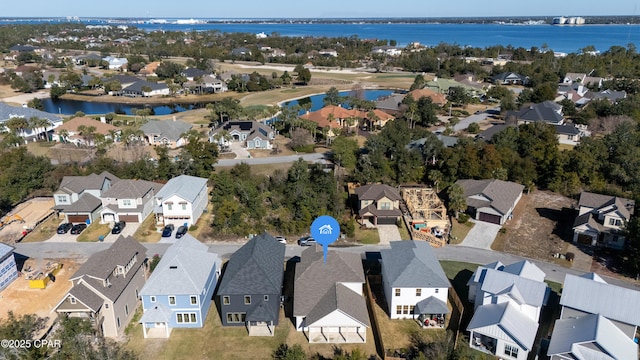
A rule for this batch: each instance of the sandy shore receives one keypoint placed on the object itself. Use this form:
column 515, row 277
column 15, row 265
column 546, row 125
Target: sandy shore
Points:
column 25, row 98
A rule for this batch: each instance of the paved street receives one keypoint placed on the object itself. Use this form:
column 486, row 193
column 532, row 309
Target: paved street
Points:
column 271, row 159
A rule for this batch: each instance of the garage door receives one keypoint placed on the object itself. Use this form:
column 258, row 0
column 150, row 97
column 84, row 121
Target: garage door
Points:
column 387, row 221
column 490, row 218
column 128, row 218
column 78, row 218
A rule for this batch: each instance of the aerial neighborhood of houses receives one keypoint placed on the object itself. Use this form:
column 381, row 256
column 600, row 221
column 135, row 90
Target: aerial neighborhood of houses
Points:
column 402, row 268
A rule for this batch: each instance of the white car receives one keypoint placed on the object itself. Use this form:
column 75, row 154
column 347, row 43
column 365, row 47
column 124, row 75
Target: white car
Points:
column 281, row 239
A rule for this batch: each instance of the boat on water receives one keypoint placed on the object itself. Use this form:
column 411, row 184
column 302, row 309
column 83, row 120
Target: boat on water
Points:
column 570, row 20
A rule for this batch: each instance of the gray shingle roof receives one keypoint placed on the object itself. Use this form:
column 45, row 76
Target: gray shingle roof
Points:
column 131, row 189
column 412, row 264
column 595, row 297
column 431, row 305
column 314, row 278
column 376, row 192
column 86, row 203
column 194, row 72
column 567, row 129
column 502, row 194
column 138, row 85
column 262, row 311
column 597, row 201
column 256, row 268
column 158, row 314
column 372, row 209
column 77, row 184
column 340, row 297
column 578, row 336
column 169, row 129
column 185, row 186
column 183, row 269
column 86, row 296
column 7, row 111
column 514, row 323
column 547, row 111
column 391, row 102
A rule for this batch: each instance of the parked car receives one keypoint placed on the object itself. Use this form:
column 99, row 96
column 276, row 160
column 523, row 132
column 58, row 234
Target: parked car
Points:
column 167, row 231
column 64, row 228
column 281, row 239
column 78, row 228
column 117, row 228
column 181, row 231
column 306, row 241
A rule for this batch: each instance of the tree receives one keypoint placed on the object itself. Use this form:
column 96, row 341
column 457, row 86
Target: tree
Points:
column 17, row 125
column 304, row 75
column 22, row 327
column 418, row 83
column 286, row 78
column 284, row 352
column 458, row 95
column 57, row 91
column 332, row 97
column 345, row 151
column 35, row 103
column 226, row 109
column 427, row 111
column 473, row 128
column 456, row 200
column 168, row 70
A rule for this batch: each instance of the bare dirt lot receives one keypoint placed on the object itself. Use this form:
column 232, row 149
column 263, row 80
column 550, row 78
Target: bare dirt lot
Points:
column 541, row 226
column 26, row 215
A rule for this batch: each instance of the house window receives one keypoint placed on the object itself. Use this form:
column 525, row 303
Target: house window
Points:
column 615, row 222
column 126, row 309
column 399, row 310
column 169, row 205
column 61, row 199
column 405, row 309
column 266, row 298
column 184, row 206
column 247, row 299
column 186, row 318
column 137, row 293
column 72, row 300
column 510, row 350
column 126, row 202
column 226, row 300
column 437, row 291
column 397, row 292
column 194, row 300
column 172, row 300
column 385, row 205
column 118, row 322
column 236, row 317
column 152, row 298
column 106, row 306
column 411, row 309
column 418, row 292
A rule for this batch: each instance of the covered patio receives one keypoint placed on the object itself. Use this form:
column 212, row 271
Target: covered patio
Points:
column 431, row 313
column 337, row 335
column 156, row 322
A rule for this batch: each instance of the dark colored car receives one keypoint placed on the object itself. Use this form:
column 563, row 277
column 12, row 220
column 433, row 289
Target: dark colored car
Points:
column 167, row 231
column 117, row 228
column 64, row 228
column 78, row 228
column 306, row 241
column 181, row 231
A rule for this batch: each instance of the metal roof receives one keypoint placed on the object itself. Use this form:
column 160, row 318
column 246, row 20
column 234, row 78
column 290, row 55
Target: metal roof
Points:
column 517, row 326
column 158, row 314
column 596, row 297
column 532, row 292
column 185, row 186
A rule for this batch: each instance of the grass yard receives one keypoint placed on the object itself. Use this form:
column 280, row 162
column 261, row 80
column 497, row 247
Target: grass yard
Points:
column 147, row 231
column 265, row 169
column 93, row 232
column 44, row 231
column 367, row 236
column 460, row 231
column 404, row 232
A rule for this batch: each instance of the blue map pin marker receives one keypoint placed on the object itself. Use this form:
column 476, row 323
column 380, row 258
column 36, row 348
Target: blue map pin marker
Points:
column 325, row 230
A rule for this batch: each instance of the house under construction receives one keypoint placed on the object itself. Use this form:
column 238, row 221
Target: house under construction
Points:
column 427, row 214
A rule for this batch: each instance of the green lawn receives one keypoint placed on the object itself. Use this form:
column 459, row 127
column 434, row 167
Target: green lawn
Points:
column 367, row 236
column 93, row 232
column 460, row 231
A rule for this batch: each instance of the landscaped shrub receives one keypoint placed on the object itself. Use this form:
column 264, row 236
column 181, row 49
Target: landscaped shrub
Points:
column 463, row 218
column 570, row 256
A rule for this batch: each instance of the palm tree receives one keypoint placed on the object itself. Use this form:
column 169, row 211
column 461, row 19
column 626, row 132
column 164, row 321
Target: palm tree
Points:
column 457, row 201
column 63, row 135
column 17, row 125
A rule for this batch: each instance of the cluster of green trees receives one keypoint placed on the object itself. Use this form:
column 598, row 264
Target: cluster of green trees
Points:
column 286, row 202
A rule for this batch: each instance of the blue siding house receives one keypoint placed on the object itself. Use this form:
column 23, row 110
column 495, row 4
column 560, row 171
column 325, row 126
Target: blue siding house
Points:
column 180, row 289
column 8, row 269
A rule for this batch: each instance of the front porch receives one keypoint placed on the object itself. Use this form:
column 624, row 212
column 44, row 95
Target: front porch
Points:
column 336, row 335
column 156, row 330
column 483, row 343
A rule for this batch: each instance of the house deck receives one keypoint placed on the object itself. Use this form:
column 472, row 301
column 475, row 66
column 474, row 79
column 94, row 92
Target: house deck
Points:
column 345, row 337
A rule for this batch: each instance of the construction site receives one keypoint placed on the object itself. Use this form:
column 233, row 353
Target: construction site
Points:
column 24, row 218
column 425, row 214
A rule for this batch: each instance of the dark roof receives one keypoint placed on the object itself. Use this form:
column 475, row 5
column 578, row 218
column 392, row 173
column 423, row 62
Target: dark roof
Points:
column 412, row 264
column 431, row 305
column 131, row 189
column 391, row 102
column 138, row 85
column 86, row 203
column 492, row 131
column 377, row 191
column 597, row 201
column 256, row 268
column 123, row 79
column 78, row 184
column 610, row 95
column 502, row 195
column 23, row 48
column 372, row 209
column 547, row 111
column 86, row 296
column 340, row 297
column 567, row 129
column 194, row 72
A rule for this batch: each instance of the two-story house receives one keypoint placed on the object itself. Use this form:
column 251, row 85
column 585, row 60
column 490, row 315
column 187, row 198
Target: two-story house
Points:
column 251, row 287
column 378, row 204
column 129, row 201
column 508, row 301
column 8, row 268
column 105, row 289
column 165, row 133
column 182, row 200
column 598, row 320
column 79, row 197
column 601, row 220
column 491, row 200
column 179, row 291
column 510, row 78
column 328, row 301
column 415, row 285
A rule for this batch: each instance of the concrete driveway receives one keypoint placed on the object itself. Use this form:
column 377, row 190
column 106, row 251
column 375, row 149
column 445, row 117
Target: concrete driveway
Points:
column 128, row 230
column 388, row 233
column 481, row 235
column 240, row 151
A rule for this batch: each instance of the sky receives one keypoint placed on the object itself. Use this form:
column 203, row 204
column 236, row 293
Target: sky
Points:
column 314, row 9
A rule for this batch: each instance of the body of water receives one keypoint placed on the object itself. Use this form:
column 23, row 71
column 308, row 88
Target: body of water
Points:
column 317, row 101
column 557, row 38
column 69, row 107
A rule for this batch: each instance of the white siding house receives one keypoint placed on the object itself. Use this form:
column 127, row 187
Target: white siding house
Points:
column 181, row 201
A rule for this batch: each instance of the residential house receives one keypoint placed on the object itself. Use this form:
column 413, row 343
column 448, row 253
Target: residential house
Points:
column 206, row 84
column 253, row 134
column 334, row 117
column 250, row 290
column 570, row 134
column 182, row 200
column 146, row 89
column 123, row 80
column 105, row 289
column 601, row 220
column 116, row 63
column 491, row 200
column 75, row 133
column 598, row 320
column 328, row 53
column 510, row 78
column 442, row 86
column 7, row 112
column 547, row 112
column 8, row 268
column 415, row 285
column 241, row 51
column 129, row 201
column 166, row 133
column 391, row 104
column 436, row 97
column 612, row 95
column 584, row 79
column 194, row 73
column 276, row 53
column 386, row 50
column 150, row 69
column 508, row 302
column 89, row 59
column 328, row 301
column 79, row 197
column 179, row 292
column 378, row 204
